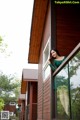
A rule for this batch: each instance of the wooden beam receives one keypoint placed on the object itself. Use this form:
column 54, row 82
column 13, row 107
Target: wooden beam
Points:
column 31, row 91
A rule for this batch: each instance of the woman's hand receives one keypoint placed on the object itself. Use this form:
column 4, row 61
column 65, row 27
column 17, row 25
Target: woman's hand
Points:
column 49, row 62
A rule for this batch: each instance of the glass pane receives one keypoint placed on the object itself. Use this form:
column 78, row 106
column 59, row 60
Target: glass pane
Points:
column 74, row 68
column 62, row 94
column 46, row 72
column 46, row 53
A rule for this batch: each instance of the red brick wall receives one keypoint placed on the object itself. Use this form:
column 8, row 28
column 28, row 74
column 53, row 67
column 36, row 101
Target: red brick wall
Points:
column 44, row 87
column 10, row 108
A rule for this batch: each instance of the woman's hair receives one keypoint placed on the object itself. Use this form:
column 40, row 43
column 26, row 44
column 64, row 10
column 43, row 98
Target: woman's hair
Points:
column 51, row 58
column 57, row 51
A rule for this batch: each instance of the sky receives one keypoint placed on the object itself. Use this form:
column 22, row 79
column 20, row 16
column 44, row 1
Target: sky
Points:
column 15, row 26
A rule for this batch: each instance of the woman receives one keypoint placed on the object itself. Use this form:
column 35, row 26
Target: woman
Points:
column 61, row 90
column 55, row 59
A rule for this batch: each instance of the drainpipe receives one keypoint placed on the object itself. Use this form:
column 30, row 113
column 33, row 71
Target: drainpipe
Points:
column 69, row 92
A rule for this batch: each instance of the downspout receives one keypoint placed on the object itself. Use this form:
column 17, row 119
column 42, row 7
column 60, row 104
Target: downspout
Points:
column 69, row 92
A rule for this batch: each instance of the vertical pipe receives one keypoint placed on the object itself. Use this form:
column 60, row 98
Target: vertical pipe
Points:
column 69, row 92
column 31, row 91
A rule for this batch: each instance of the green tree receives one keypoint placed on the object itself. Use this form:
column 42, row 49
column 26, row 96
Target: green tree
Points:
column 1, row 104
column 9, row 88
column 75, row 102
column 3, row 48
column 62, row 86
column 3, row 45
column 1, row 40
column 74, row 64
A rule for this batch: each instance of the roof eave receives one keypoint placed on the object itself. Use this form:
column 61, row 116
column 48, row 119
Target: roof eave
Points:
column 37, row 27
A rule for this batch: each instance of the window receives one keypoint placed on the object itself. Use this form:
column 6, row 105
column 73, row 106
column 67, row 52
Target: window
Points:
column 12, row 103
column 46, row 55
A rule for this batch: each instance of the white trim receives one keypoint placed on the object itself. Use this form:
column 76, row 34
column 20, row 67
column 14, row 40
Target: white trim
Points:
column 45, row 63
column 48, row 42
column 12, row 103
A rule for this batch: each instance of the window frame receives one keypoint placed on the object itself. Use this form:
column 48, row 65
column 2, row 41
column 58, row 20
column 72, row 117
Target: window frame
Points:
column 45, row 63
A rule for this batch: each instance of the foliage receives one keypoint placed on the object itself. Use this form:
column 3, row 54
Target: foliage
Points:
column 62, row 95
column 3, row 45
column 9, row 88
column 60, row 80
column 1, row 104
column 75, row 97
column 3, row 48
column 1, row 40
column 75, row 90
column 67, row 92
column 74, row 64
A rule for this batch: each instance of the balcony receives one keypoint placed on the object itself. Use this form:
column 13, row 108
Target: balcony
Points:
column 66, row 88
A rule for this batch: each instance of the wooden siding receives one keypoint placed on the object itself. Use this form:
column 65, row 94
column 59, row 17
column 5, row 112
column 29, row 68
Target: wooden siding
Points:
column 23, row 109
column 23, row 87
column 68, row 28
column 44, row 86
column 32, row 101
column 34, row 92
column 46, row 99
column 10, row 108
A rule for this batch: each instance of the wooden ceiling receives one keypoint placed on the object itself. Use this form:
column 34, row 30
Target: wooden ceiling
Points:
column 38, row 21
column 68, row 28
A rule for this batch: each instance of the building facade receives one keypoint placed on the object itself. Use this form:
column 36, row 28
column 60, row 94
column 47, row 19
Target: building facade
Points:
column 28, row 98
column 55, row 26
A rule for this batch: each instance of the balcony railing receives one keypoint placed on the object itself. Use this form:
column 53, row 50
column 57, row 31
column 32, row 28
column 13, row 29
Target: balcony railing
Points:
column 66, row 84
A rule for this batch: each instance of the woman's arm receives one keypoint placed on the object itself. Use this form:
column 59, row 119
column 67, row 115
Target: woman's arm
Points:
column 52, row 67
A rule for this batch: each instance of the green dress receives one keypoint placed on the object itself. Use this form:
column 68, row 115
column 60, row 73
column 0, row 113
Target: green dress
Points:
column 56, row 63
